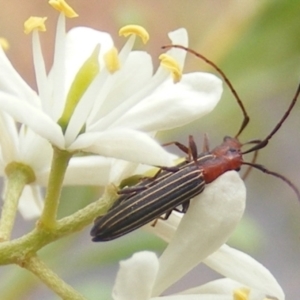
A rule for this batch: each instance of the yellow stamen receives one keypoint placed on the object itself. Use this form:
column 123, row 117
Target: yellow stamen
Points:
column 34, row 23
column 241, row 294
column 80, row 84
column 63, row 7
column 135, row 29
column 169, row 63
column 111, row 60
column 4, row 43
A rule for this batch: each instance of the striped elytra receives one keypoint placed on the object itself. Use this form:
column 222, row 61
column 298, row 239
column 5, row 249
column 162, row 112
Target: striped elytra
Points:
column 149, row 204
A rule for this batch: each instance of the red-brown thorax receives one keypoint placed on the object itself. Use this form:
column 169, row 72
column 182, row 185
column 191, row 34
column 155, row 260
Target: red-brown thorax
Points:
column 227, row 157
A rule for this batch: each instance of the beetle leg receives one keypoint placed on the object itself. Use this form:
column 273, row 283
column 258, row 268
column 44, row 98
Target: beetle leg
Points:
column 185, row 206
column 132, row 189
column 205, row 143
column 163, row 217
column 182, row 147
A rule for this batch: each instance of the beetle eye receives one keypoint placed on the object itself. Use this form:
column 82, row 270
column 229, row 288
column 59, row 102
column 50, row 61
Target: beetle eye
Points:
column 233, row 150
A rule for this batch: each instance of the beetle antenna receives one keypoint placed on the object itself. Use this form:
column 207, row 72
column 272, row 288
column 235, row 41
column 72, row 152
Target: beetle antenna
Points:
column 249, row 168
column 263, row 169
column 265, row 142
column 239, row 101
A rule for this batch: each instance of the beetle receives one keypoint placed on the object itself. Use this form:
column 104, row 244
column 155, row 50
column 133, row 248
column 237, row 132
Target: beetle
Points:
column 171, row 187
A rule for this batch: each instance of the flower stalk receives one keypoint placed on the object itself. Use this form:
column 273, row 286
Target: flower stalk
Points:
column 48, row 277
column 59, row 166
column 18, row 176
column 18, row 249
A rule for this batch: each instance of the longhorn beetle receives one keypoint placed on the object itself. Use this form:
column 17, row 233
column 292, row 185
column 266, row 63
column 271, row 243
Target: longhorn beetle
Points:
column 172, row 187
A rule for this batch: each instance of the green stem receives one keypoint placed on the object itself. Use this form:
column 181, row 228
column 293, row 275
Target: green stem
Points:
column 17, row 250
column 18, row 176
column 86, row 215
column 46, row 275
column 59, row 166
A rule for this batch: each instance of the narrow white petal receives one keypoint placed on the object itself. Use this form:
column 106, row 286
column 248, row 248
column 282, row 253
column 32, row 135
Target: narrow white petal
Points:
column 174, row 105
column 11, row 82
column 31, row 203
column 243, row 268
column 130, row 79
column 57, row 77
column 208, row 223
column 34, row 118
column 40, row 72
column 124, row 144
column 136, row 277
column 179, row 37
column 112, row 120
column 127, row 48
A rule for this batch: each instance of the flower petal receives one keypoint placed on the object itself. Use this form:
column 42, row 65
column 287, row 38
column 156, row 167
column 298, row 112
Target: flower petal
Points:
column 178, row 37
column 80, row 43
column 136, row 277
column 223, row 286
column 11, row 82
column 89, row 170
column 124, row 144
column 174, row 105
column 208, row 223
column 226, row 286
column 35, row 151
column 122, row 169
column 34, row 118
column 130, row 79
column 243, row 268
column 31, row 203
column 9, row 143
column 195, row 297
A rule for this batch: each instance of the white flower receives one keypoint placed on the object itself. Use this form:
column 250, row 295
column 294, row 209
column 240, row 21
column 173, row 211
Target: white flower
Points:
column 117, row 115
column 116, row 108
column 200, row 237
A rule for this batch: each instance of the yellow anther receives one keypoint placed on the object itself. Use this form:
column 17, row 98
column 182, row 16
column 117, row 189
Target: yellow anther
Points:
column 111, row 60
column 34, row 23
column 241, row 294
column 4, row 43
column 169, row 63
column 135, row 29
column 63, row 7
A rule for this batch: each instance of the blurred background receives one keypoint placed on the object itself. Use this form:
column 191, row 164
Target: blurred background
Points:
column 257, row 45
